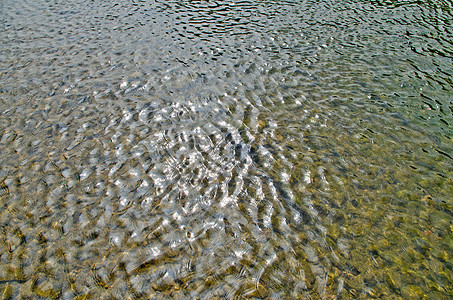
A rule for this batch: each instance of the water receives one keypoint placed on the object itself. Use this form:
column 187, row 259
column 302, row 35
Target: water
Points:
column 237, row 149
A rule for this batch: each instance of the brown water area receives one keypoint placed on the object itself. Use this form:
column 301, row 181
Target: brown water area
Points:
column 226, row 149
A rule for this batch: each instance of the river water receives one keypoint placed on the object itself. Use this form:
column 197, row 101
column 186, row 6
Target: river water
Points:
column 226, row 149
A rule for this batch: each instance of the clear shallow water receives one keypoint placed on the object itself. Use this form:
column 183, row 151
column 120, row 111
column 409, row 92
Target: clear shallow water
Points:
column 248, row 149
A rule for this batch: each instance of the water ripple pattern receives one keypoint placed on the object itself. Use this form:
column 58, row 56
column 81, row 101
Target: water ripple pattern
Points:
column 226, row 149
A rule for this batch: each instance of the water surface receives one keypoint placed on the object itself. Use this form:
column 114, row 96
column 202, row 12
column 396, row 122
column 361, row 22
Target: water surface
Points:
column 236, row 149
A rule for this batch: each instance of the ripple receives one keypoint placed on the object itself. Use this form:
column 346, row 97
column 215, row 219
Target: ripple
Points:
column 272, row 149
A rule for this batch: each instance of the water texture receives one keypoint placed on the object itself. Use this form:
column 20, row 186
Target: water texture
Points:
column 226, row 149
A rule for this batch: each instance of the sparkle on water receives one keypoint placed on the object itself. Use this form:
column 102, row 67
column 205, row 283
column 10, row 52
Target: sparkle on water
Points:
column 234, row 149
